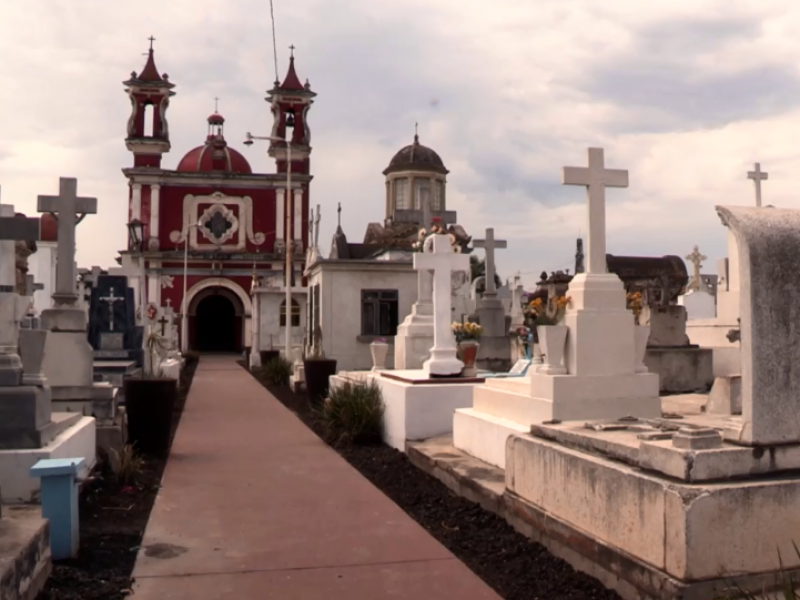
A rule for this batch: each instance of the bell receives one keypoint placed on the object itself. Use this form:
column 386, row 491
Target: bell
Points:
column 290, row 119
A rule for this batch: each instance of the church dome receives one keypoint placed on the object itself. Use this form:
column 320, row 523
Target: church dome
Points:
column 214, row 155
column 416, row 157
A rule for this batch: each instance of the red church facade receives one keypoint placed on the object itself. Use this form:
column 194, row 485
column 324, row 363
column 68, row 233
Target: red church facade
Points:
column 232, row 218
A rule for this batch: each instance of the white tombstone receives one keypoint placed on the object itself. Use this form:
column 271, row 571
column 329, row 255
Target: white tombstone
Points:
column 698, row 301
column 442, row 262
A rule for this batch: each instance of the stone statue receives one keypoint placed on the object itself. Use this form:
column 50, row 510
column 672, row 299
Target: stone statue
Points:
column 22, row 250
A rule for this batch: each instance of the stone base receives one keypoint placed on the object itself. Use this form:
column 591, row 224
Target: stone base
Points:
column 652, row 535
column 25, row 562
column 483, row 436
column 68, row 359
column 494, row 354
column 681, row 369
column 113, row 436
column 98, row 399
column 25, row 417
column 726, row 396
column 114, row 371
column 414, row 339
column 79, row 440
column 416, row 407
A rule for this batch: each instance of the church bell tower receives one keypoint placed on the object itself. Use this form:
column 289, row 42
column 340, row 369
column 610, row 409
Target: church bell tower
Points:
column 148, row 131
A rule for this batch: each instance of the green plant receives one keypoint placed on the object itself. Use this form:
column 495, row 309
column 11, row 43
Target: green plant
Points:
column 276, row 371
column 156, row 347
column 127, row 465
column 353, row 413
column 785, row 586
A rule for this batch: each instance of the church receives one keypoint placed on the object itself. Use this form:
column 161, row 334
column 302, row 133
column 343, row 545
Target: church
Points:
column 211, row 225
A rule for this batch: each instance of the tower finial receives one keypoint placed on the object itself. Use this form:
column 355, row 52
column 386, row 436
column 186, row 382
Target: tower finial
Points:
column 291, row 51
column 216, row 104
column 339, row 216
column 152, row 39
column 416, row 133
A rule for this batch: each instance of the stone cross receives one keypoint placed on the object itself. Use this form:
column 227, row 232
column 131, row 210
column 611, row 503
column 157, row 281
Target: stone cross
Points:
column 69, row 209
column 596, row 178
column 697, row 261
column 111, row 299
column 31, row 287
column 163, row 322
column 442, row 261
column 758, row 176
column 490, row 245
column 316, row 226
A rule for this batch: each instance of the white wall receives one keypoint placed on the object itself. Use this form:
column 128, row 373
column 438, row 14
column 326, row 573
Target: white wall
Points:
column 269, row 319
column 42, row 265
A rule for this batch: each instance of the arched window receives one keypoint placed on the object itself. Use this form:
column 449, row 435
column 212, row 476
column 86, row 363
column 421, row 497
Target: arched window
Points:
column 401, row 199
column 149, row 120
column 295, row 314
column 438, row 196
column 422, row 193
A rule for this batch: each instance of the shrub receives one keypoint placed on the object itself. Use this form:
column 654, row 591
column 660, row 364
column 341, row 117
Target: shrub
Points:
column 276, row 371
column 127, row 465
column 353, row 413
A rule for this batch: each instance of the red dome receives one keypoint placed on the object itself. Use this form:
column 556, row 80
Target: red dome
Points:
column 48, row 227
column 216, row 119
column 214, row 155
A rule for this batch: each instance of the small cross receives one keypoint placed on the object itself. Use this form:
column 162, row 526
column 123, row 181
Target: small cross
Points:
column 216, row 104
column 416, row 132
column 490, row 245
column 596, row 178
column 152, row 39
column 317, row 218
column 696, row 259
column 111, row 299
column 163, row 321
column 291, row 48
column 758, row 176
column 169, row 302
column 339, row 211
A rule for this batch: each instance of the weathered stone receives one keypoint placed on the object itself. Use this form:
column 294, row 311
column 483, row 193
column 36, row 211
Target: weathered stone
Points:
column 697, row 439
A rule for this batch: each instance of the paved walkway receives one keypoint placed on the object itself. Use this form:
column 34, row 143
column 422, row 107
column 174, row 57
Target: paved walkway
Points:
column 255, row 506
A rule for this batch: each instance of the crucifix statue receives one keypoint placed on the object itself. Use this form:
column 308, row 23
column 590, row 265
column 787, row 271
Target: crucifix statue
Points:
column 758, row 176
column 697, row 261
column 490, row 244
column 163, row 322
column 111, row 299
column 596, row 178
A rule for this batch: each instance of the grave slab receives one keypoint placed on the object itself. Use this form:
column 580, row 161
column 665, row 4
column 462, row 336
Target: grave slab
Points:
column 25, row 561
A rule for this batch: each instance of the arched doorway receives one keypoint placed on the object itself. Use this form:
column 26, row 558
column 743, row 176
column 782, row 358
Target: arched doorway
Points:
column 215, row 321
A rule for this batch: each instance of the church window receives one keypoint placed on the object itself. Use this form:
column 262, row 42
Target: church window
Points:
column 379, row 312
column 148, row 119
column 438, row 196
column 422, row 192
column 401, row 200
column 295, row 314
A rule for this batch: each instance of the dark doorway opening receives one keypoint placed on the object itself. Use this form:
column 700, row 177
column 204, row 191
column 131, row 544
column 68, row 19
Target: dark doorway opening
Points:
column 216, row 325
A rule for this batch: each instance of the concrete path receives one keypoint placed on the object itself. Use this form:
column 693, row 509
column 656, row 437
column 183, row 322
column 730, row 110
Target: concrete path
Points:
column 254, row 505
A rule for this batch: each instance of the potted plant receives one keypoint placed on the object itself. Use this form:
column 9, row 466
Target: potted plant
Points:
column 379, row 348
column 318, row 369
column 467, row 336
column 150, row 401
column 547, row 319
column 268, row 355
column 634, row 302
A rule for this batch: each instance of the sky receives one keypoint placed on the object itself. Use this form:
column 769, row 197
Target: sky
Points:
column 686, row 95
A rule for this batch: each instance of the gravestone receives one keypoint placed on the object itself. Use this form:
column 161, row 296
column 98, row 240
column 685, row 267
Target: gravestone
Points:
column 442, row 262
column 698, row 300
column 113, row 333
column 494, row 353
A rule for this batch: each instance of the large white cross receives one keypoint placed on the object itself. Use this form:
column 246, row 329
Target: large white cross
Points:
column 490, row 245
column 111, row 299
column 69, row 209
column 758, row 176
column 442, row 261
column 596, row 178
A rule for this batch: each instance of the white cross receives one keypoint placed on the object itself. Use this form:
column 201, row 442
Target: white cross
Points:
column 490, row 245
column 111, row 299
column 169, row 302
column 596, row 178
column 66, row 207
column 758, row 176
column 442, row 261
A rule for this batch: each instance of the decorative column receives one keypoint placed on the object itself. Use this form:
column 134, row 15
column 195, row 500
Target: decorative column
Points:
column 298, row 218
column 255, row 332
column 155, row 197
column 280, row 201
column 136, row 201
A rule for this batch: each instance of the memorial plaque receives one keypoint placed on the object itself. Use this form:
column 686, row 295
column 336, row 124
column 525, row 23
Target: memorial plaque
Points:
column 520, row 367
column 112, row 341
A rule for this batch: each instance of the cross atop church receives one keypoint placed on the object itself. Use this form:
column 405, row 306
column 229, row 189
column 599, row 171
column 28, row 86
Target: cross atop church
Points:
column 697, row 261
column 758, row 176
column 69, row 209
column 490, row 245
column 339, row 214
column 216, row 104
column 152, row 39
column 596, row 178
column 291, row 50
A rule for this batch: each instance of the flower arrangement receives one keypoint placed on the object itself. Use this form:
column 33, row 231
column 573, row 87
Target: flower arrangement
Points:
column 466, row 331
column 524, row 338
column 634, row 303
column 436, row 229
column 537, row 313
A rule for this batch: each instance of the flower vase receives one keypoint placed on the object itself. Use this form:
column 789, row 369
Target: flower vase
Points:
column 553, row 341
column 378, row 351
column 641, row 335
column 468, row 353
